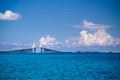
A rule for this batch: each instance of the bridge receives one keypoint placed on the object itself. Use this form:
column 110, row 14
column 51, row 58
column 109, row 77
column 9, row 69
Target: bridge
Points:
column 33, row 49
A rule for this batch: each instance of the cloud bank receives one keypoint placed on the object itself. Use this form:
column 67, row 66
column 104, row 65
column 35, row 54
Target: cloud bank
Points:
column 99, row 37
column 9, row 15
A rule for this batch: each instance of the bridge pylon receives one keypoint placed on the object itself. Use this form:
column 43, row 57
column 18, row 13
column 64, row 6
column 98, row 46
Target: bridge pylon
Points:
column 34, row 47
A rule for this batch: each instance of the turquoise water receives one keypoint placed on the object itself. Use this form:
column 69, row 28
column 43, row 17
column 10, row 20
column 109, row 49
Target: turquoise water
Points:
column 62, row 66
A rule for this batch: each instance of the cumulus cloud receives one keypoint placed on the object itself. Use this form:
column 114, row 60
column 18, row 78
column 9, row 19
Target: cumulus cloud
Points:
column 99, row 38
column 91, row 25
column 48, row 41
column 9, row 15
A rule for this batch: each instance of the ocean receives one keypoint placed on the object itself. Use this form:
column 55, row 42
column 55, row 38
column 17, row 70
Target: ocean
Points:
column 59, row 66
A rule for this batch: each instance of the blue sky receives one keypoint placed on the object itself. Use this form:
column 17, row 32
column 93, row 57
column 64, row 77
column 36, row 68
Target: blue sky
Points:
column 58, row 23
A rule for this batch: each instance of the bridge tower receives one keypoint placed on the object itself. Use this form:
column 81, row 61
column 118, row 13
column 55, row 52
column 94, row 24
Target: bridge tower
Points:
column 41, row 48
column 34, row 47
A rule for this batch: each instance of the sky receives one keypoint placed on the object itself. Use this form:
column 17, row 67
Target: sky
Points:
column 64, row 25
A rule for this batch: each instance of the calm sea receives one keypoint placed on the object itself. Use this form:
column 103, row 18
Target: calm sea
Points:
column 59, row 66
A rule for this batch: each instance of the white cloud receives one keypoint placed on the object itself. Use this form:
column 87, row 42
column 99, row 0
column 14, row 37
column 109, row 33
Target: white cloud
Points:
column 91, row 25
column 48, row 41
column 9, row 15
column 99, row 38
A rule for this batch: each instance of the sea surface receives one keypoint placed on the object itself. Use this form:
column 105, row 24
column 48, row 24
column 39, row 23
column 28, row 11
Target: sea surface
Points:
column 59, row 66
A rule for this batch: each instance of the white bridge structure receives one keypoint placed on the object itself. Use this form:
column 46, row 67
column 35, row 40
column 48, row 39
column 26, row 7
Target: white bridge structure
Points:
column 33, row 49
column 42, row 49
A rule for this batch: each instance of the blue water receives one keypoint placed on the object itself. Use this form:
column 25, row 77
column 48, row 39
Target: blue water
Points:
column 62, row 66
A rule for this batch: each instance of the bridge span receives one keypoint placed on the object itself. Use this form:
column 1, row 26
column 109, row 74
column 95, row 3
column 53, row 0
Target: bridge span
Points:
column 42, row 50
column 33, row 49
